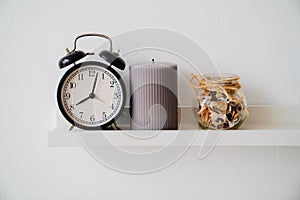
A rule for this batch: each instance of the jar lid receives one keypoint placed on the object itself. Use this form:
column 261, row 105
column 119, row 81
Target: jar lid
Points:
column 216, row 81
column 220, row 77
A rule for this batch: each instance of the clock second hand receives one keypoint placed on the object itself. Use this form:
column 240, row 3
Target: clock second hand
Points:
column 96, row 97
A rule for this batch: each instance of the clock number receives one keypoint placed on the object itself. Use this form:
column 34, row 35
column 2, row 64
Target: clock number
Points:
column 102, row 76
column 112, row 84
column 72, row 85
column 104, row 115
column 117, row 95
column 112, row 106
column 72, row 107
column 80, row 77
column 92, row 118
column 81, row 114
column 67, row 95
column 92, row 73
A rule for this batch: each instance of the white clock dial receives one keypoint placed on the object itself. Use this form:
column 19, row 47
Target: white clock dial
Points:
column 91, row 96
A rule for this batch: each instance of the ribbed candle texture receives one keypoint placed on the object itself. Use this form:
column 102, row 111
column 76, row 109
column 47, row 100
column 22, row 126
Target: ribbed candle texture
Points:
column 153, row 102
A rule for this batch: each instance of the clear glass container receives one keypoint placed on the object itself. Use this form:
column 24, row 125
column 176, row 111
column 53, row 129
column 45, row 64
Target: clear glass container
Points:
column 222, row 104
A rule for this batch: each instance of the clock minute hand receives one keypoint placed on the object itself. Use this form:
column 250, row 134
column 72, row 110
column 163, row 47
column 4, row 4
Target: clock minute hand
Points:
column 83, row 100
column 94, row 85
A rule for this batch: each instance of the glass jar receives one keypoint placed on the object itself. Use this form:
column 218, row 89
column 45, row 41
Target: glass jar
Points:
column 222, row 104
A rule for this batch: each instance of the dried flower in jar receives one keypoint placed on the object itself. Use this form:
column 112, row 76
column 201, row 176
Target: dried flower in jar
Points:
column 222, row 104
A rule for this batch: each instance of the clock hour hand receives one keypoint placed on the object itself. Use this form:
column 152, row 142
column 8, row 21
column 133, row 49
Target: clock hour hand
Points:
column 83, row 100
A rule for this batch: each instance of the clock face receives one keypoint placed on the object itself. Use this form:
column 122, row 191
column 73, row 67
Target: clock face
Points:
column 90, row 96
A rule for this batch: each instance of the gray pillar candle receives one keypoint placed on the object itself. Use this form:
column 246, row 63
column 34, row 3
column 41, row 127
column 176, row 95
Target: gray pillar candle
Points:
column 153, row 103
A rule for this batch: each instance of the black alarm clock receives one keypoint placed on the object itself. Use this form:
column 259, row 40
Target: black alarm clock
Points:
column 91, row 94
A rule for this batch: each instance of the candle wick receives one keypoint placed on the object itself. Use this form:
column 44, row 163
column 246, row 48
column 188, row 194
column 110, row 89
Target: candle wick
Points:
column 153, row 60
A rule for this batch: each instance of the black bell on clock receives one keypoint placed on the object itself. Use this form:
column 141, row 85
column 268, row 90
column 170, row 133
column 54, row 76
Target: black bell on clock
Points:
column 71, row 58
column 113, row 59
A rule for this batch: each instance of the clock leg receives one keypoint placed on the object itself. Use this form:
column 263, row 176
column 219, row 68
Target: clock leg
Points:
column 71, row 127
column 111, row 126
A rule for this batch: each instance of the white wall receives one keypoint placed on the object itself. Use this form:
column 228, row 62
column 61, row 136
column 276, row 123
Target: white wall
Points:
column 259, row 40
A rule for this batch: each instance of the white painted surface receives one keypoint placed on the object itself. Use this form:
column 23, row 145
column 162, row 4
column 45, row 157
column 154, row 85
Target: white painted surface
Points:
column 266, row 126
column 258, row 40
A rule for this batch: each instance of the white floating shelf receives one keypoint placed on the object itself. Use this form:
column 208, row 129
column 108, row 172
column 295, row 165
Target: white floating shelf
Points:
column 266, row 126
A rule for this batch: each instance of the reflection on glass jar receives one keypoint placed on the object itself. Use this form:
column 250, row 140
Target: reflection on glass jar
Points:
column 222, row 104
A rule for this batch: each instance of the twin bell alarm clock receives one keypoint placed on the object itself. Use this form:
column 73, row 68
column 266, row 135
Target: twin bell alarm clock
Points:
column 91, row 94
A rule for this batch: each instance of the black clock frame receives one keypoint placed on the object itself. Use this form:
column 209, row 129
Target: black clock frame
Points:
column 60, row 87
